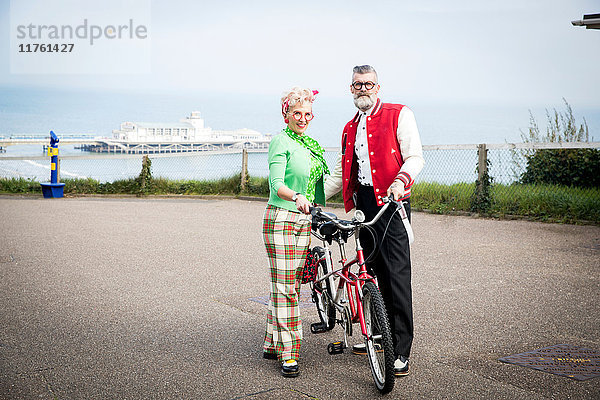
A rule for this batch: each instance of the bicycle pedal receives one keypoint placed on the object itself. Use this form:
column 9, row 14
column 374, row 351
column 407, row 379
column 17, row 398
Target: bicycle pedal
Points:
column 318, row 327
column 335, row 348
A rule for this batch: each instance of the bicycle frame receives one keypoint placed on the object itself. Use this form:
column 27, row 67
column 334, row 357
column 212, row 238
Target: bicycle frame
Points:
column 349, row 281
column 357, row 298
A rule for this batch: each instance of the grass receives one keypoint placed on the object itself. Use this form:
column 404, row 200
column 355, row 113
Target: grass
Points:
column 547, row 202
column 552, row 203
column 538, row 202
column 156, row 186
column 19, row 185
column 440, row 198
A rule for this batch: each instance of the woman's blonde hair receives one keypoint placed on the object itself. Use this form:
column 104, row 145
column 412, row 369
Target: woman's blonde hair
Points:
column 294, row 96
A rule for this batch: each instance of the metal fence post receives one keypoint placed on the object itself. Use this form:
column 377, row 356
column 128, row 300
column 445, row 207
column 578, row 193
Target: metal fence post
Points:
column 244, row 169
column 482, row 162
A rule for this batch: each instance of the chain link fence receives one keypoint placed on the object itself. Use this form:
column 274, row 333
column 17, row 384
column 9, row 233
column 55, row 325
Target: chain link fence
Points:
column 447, row 182
column 110, row 168
column 445, row 164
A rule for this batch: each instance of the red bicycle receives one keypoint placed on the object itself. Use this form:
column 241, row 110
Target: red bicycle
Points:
column 354, row 296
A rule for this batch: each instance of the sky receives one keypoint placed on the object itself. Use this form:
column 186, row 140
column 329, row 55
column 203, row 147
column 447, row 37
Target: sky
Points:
column 510, row 52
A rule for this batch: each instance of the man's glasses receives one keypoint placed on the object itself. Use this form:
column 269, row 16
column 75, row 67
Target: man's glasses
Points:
column 298, row 116
column 359, row 85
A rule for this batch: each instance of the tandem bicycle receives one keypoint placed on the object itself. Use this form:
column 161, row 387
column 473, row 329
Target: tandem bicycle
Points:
column 353, row 296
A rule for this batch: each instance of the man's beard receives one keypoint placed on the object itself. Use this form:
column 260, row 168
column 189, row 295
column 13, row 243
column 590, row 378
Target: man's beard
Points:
column 364, row 101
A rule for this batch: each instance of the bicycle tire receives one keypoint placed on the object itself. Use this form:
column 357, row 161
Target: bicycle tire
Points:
column 377, row 324
column 325, row 309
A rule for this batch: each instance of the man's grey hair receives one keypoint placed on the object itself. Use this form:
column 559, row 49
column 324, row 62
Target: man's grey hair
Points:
column 364, row 69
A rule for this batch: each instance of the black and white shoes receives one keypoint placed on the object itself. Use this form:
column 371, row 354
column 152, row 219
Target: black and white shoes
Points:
column 290, row 369
column 401, row 366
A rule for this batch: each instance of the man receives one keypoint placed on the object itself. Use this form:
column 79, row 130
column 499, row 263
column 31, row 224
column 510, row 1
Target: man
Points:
column 381, row 155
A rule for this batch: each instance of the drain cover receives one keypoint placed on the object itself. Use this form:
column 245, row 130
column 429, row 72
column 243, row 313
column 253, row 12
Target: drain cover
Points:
column 571, row 361
column 305, row 299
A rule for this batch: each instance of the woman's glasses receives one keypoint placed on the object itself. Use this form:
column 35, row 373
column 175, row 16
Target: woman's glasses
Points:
column 359, row 85
column 298, row 116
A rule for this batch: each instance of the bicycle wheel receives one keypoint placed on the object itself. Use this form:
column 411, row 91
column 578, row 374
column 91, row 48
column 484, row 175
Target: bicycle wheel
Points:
column 322, row 293
column 381, row 357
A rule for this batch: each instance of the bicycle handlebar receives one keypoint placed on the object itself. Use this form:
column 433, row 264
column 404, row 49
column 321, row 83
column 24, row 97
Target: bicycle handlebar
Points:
column 351, row 225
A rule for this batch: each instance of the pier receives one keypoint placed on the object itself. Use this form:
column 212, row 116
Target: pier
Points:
column 111, row 146
column 186, row 136
column 127, row 147
column 44, row 140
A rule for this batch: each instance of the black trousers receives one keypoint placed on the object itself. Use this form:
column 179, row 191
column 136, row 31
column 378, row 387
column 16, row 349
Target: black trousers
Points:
column 391, row 266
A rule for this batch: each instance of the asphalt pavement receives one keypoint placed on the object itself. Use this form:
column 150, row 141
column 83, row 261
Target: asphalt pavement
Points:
column 162, row 298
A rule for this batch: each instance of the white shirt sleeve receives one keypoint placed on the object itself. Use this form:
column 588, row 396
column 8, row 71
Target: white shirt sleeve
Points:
column 333, row 183
column 410, row 145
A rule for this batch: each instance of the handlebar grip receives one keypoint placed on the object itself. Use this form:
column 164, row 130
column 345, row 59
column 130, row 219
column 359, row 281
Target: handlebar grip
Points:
column 389, row 199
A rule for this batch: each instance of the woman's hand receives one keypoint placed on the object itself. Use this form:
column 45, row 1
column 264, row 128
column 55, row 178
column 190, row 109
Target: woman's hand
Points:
column 302, row 204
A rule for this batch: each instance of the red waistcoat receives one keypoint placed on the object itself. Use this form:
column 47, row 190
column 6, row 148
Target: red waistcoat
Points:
column 384, row 152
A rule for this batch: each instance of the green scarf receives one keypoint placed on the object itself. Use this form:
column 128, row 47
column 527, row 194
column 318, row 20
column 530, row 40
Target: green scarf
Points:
column 318, row 163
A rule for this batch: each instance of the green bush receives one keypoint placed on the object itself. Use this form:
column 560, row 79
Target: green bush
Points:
column 569, row 167
column 19, row 185
column 144, row 179
column 257, row 187
column 481, row 200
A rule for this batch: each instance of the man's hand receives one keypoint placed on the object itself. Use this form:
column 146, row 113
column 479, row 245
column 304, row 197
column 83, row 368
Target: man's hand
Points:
column 396, row 189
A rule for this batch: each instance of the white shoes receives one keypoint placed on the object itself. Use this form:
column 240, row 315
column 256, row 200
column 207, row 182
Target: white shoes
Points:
column 401, row 366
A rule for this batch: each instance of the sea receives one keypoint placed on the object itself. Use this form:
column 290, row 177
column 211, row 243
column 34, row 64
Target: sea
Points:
column 34, row 110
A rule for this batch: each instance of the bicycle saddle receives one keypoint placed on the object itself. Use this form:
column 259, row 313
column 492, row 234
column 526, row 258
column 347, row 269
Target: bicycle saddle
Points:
column 328, row 229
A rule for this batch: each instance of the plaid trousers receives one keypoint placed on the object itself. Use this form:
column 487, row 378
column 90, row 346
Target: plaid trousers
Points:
column 286, row 235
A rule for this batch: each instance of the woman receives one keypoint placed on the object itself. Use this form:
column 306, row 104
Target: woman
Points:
column 296, row 168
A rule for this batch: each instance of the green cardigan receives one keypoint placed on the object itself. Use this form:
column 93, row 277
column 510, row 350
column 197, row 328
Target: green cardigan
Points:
column 289, row 165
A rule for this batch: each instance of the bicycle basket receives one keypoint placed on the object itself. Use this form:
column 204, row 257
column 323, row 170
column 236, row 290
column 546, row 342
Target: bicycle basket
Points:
column 309, row 271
